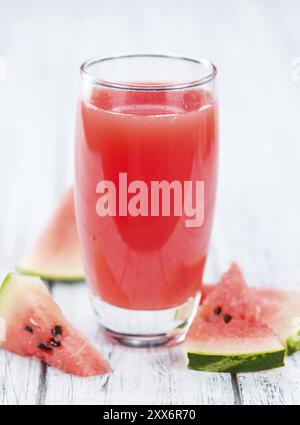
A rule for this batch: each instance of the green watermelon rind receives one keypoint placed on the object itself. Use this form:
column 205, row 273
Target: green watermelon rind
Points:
column 6, row 285
column 5, row 281
column 49, row 276
column 235, row 363
column 292, row 343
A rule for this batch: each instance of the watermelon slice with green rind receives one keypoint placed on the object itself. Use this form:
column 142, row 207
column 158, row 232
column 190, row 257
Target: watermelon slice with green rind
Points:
column 35, row 326
column 233, row 347
column 56, row 253
column 227, row 334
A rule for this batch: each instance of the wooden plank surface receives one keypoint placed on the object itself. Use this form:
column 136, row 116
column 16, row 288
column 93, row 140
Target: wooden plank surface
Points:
column 255, row 45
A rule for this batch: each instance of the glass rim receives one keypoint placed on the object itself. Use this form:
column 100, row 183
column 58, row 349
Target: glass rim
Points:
column 212, row 72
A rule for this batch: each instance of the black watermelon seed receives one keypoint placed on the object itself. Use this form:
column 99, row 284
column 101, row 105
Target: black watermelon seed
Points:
column 28, row 329
column 55, row 343
column 218, row 311
column 227, row 318
column 44, row 346
column 56, row 331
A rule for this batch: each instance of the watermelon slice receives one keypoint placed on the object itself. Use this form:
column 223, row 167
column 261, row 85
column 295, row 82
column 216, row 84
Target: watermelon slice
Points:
column 56, row 253
column 228, row 334
column 279, row 309
column 35, row 326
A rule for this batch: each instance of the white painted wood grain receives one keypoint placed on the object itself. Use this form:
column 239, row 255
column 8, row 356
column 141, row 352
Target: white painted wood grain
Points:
column 253, row 43
column 275, row 387
column 20, row 379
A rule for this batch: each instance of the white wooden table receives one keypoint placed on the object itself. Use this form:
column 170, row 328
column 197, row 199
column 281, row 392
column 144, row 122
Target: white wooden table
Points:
column 256, row 46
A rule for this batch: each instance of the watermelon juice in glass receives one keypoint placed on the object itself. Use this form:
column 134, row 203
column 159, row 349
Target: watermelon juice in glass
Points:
column 146, row 166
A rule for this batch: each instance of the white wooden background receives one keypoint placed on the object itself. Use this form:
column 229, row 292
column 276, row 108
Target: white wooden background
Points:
column 256, row 46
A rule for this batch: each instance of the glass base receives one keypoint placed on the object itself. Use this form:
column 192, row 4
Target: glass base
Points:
column 146, row 328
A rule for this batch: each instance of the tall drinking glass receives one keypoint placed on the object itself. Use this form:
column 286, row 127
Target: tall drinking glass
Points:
column 146, row 167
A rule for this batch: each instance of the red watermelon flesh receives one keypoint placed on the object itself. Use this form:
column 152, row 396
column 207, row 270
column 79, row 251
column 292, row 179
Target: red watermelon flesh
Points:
column 237, row 299
column 246, row 338
column 56, row 253
column 35, row 326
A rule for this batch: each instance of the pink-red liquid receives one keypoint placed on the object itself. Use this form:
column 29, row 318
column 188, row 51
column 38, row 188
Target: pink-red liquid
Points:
column 144, row 262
